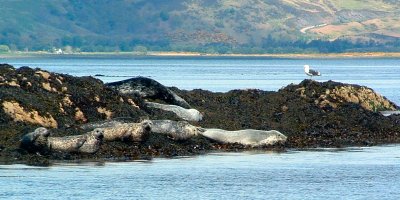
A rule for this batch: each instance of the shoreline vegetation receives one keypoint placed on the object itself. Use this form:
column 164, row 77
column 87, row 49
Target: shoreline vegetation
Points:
column 198, row 54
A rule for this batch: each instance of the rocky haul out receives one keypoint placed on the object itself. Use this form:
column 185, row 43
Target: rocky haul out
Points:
column 47, row 116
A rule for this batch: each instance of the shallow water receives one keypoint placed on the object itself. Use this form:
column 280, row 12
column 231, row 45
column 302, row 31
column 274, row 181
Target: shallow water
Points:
column 351, row 173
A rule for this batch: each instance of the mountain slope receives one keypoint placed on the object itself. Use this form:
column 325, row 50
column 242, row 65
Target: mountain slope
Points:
column 106, row 25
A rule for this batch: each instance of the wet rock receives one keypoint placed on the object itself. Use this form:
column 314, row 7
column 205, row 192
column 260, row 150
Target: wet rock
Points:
column 310, row 114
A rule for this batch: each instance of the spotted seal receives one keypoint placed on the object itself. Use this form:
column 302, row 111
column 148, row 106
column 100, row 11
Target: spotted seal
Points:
column 148, row 89
column 183, row 113
column 36, row 140
column 178, row 130
column 86, row 143
column 250, row 137
column 128, row 131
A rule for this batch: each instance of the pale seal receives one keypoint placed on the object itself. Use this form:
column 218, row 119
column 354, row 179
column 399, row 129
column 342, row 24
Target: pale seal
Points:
column 148, row 89
column 36, row 140
column 85, row 143
column 183, row 113
column 128, row 131
column 250, row 137
column 178, row 130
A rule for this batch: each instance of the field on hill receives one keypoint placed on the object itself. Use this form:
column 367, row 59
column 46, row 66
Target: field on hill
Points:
column 249, row 26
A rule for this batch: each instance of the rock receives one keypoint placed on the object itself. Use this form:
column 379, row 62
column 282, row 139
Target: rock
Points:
column 310, row 114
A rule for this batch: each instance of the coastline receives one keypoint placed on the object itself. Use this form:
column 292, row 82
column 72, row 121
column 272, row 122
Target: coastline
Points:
column 309, row 114
column 198, row 54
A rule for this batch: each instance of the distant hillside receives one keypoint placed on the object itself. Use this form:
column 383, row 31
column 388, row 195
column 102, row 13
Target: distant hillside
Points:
column 250, row 26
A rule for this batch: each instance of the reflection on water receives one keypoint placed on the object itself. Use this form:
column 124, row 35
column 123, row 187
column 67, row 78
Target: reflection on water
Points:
column 350, row 173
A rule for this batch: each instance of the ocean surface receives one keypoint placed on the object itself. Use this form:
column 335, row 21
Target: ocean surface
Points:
column 349, row 173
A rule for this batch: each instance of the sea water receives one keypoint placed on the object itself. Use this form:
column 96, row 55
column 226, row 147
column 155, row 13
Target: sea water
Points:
column 350, row 173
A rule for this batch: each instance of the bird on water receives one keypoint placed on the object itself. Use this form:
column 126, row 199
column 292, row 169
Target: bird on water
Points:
column 311, row 72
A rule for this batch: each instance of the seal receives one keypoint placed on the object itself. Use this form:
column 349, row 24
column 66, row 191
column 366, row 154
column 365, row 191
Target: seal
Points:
column 148, row 89
column 135, row 132
column 250, row 137
column 36, row 140
column 177, row 130
column 183, row 113
column 93, row 141
column 85, row 143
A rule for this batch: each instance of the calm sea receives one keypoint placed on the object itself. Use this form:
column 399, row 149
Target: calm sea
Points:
column 351, row 173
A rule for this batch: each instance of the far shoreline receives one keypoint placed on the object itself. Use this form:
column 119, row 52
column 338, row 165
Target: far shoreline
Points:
column 203, row 55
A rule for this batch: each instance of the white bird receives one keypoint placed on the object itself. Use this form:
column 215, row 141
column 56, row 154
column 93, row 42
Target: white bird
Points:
column 311, row 72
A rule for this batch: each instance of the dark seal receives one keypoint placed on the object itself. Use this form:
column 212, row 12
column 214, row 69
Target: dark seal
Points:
column 148, row 89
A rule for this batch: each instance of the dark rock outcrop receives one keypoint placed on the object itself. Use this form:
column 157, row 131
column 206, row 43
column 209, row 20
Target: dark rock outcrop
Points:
column 310, row 114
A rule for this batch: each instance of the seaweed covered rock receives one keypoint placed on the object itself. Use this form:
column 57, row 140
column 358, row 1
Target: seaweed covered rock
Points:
column 311, row 114
column 56, row 100
column 332, row 94
column 31, row 98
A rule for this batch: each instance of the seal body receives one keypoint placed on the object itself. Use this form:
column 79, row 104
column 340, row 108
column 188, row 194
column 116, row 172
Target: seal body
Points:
column 248, row 137
column 183, row 113
column 85, row 143
column 36, row 140
column 178, row 130
column 148, row 89
column 128, row 131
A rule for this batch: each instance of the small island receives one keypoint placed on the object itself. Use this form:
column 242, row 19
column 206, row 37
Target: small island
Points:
column 65, row 108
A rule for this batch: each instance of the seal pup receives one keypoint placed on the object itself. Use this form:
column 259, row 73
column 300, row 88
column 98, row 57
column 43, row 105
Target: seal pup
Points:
column 250, row 137
column 85, row 143
column 178, row 130
column 36, row 140
column 183, row 113
column 148, row 88
column 128, row 131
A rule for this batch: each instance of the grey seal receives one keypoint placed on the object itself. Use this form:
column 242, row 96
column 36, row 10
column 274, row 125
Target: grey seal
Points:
column 183, row 113
column 127, row 131
column 36, row 140
column 250, row 137
column 178, row 130
column 86, row 143
column 148, row 88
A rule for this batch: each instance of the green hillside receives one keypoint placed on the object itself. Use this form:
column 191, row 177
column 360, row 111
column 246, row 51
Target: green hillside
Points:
column 249, row 26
